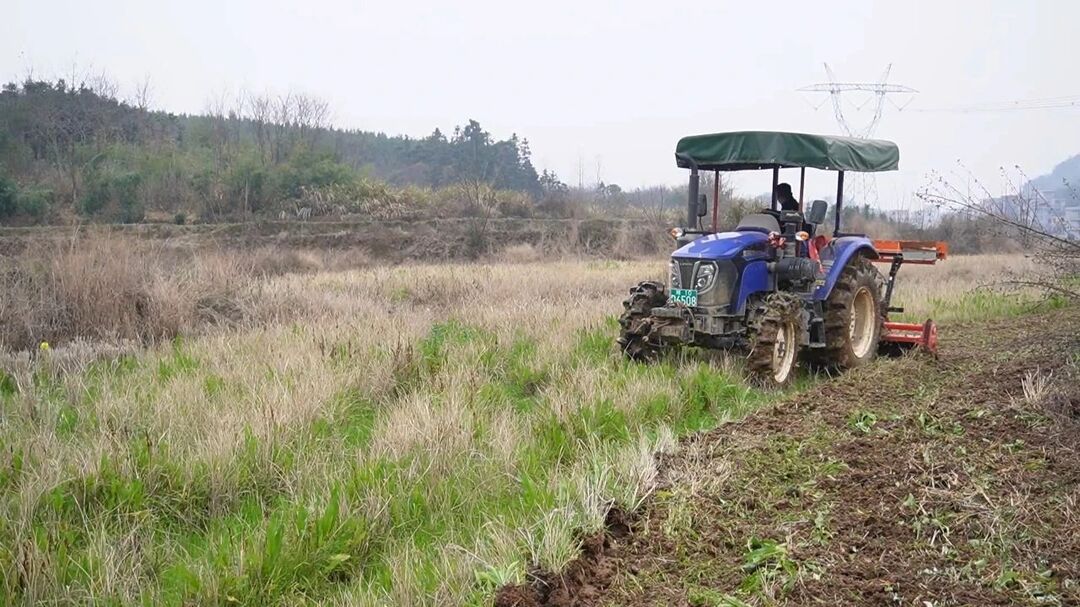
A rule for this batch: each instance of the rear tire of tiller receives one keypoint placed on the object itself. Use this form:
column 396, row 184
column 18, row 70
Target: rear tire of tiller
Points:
column 854, row 317
column 775, row 331
column 636, row 321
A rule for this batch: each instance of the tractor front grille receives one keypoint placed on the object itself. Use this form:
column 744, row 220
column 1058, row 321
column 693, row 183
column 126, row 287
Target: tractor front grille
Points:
column 719, row 293
column 686, row 272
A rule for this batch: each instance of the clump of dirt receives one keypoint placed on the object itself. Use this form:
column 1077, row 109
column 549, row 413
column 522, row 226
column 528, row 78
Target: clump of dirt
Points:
column 911, row 481
column 517, row 595
column 583, row 582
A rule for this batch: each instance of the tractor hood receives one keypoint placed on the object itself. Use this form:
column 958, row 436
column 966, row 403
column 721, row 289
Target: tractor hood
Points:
column 723, row 245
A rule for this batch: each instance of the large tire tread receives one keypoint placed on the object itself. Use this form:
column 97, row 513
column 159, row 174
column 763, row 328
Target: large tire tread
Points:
column 838, row 352
column 636, row 321
column 768, row 316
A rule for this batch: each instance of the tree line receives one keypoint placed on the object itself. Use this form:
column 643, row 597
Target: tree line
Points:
column 74, row 150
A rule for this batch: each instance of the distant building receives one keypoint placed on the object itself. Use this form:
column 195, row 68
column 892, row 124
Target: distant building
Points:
column 1072, row 222
column 1054, row 211
column 1061, row 212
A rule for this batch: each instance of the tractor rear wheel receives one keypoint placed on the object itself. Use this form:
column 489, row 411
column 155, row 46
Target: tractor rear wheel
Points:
column 775, row 328
column 854, row 317
column 636, row 320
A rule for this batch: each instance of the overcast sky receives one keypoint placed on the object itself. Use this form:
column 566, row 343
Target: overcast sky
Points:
column 603, row 88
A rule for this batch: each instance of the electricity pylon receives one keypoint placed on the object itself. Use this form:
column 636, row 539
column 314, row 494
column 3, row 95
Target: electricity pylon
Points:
column 872, row 93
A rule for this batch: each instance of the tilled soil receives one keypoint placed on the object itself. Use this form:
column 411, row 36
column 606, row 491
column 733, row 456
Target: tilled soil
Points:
column 912, row 481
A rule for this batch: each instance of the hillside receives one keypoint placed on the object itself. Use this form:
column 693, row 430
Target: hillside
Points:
column 1067, row 171
column 76, row 149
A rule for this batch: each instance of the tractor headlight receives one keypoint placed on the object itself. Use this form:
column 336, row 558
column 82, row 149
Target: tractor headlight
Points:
column 674, row 275
column 706, row 277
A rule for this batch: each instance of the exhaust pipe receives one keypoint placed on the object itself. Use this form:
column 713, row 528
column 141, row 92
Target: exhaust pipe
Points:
column 692, row 197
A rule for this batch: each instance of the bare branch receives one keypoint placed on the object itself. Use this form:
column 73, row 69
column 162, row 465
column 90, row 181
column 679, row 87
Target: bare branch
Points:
column 143, row 94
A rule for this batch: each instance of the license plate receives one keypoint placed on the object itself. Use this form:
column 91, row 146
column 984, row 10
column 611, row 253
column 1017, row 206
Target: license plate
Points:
column 686, row 296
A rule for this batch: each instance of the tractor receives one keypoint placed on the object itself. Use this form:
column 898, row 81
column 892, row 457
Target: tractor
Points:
column 776, row 286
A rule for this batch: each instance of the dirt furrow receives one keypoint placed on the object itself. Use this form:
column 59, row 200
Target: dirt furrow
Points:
column 911, row 482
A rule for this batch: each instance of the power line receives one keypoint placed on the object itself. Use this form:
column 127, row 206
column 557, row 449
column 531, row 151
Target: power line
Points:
column 1045, row 103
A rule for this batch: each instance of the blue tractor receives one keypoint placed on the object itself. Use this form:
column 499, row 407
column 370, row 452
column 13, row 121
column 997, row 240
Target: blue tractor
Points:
column 774, row 285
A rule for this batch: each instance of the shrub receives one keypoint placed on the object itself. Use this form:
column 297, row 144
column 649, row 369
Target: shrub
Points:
column 514, row 204
column 110, row 288
column 595, row 235
column 96, row 197
column 632, row 242
column 9, row 194
column 117, row 195
column 248, row 184
column 36, row 202
column 519, row 253
column 125, row 188
column 476, row 238
column 311, row 170
column 274, row 261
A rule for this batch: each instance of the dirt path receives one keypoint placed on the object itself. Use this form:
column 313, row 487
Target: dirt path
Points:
column 912, row 482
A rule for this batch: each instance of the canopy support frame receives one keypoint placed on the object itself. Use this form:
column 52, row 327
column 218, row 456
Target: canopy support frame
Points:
column 802, row 186
column 775, row 182
column 839, row 201
column 716, row 200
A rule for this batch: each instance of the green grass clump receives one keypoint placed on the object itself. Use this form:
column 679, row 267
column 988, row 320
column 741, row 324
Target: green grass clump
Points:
column 8, row 388
column 985, row 304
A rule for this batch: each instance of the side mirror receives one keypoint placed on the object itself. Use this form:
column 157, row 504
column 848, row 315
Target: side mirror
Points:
column 818, row 208
column 702, row 206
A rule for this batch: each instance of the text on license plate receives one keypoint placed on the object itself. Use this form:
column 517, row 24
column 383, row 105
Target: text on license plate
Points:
column 686, row 296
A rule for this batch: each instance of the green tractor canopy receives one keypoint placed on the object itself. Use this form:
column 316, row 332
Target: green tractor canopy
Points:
column 746, row 150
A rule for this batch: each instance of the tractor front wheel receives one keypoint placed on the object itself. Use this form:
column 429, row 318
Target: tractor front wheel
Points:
column 636, row 320
column 775, row 329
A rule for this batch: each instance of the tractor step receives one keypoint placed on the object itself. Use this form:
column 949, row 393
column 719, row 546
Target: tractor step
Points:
column 922, row 335
column 896, row 309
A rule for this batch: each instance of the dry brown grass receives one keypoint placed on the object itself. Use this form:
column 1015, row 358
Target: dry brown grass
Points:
column 113, row 288
column 110, row 289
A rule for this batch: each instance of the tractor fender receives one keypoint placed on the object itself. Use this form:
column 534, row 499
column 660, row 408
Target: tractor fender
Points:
column 840, row 251
column 755, row 278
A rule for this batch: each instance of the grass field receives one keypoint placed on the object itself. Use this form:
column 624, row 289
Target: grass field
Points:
column 420, row 434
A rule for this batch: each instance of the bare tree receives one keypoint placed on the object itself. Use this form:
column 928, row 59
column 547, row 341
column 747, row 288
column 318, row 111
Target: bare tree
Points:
column 1021, row 213
column 102, row 85
column 281, row 122
column 214, row 109
column 221, row 108
column 143, row 94
column 258, row 108
column 311, row 116
column 282, row 112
